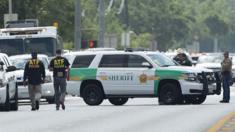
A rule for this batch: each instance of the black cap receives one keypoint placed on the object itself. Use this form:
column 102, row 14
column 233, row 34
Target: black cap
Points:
column 226, row 53
column 58, row 51
column 34, row 55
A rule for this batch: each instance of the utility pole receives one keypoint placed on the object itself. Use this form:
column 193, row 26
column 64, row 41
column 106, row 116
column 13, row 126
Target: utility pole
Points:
column 10, row 16
column 10, row 6
column 101, row 23
column 127, row 34
column 77, row 33
column 126, row 15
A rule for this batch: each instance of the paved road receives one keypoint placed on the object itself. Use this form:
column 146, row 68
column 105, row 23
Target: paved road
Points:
column 138, row 115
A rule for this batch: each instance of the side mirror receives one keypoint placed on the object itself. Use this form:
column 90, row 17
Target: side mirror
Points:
column 1, row 65
column 11, row 68
column 146, row 64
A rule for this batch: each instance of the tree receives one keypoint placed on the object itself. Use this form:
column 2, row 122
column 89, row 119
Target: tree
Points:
column 3, row 10
column 173, row 23
column 163, row 18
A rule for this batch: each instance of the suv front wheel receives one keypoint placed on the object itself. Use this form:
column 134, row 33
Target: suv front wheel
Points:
column 118, row 101
column 92, row 94
column 169, row 94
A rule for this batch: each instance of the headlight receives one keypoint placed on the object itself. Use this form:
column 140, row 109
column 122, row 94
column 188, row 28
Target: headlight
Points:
column 48, row 79
column 190, row 76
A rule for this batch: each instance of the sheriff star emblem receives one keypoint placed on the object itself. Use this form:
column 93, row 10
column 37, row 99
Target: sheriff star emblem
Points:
column 143, row 78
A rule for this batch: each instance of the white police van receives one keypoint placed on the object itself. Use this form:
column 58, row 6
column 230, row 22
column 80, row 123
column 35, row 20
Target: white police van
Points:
column 119, row 75
column 8, row 86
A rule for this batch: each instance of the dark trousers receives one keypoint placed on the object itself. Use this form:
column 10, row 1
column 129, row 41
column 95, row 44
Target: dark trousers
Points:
column 60, row 90
column 35, row 94
column 226, row 78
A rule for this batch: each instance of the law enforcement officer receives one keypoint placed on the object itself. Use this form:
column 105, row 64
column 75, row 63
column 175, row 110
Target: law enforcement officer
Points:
column 34, row 74
column 182, row 59
column 59, row 66
column 226, row 68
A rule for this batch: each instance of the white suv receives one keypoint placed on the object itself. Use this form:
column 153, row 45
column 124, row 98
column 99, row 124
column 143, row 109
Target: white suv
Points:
column 8, row 86
column 119, row 75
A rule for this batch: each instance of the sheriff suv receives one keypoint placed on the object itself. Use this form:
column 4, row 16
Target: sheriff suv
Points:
column 8, row 86
column 119, row 75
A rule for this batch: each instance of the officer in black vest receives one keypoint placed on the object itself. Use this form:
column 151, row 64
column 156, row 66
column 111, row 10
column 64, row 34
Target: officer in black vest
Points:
column 34, row 74
column 59, row 65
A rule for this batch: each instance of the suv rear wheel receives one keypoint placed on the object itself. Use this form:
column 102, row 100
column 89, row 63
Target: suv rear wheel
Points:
column 169, row 94
column 118, row 101
column 92, row 94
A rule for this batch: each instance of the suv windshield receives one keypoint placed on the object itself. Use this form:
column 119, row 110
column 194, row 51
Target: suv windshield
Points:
column 11, row 46
column 161, row 60
column 27, row 45
column 20, row 63
column 41, row 45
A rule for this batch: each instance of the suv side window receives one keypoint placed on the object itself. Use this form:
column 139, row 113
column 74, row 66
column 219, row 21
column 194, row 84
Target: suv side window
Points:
column 113, row 61
column 136, row 61
column 83, row 61
column 70, row 58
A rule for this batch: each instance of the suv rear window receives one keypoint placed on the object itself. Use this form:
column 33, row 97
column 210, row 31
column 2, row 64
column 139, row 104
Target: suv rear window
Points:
column 113, row 61
column 83, row 61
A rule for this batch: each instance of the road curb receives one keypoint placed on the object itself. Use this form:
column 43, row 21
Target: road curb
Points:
column 221, row 124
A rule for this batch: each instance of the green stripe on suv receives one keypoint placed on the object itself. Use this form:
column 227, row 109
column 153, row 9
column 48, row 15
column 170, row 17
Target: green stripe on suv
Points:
column 165, row 74
column 78, row 74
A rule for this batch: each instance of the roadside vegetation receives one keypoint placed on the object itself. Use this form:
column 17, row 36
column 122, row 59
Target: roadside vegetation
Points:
column 171, row 23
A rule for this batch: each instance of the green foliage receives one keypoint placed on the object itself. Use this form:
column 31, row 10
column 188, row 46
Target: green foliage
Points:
column 140, row 41
column 68, row 45
column 172, row 23
column 216, row 25
column 3, row 10
column 164, row 18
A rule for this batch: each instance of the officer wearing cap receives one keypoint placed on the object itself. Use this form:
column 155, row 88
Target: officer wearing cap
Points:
column 226, row 72
column 34, row 74
column 182, row 59
column 59, row 65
